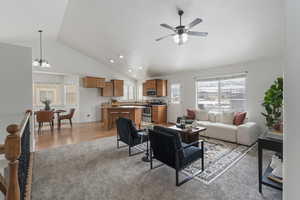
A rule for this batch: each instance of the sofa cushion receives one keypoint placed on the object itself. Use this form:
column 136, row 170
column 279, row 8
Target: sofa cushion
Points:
column 227, row 117
column 202, row 115
column 204, row 123
column 218, row 117
column 239, row 118
column 211, row 117
column 222, row 131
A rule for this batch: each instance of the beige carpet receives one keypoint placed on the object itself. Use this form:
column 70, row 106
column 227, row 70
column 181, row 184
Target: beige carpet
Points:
column 97, row 170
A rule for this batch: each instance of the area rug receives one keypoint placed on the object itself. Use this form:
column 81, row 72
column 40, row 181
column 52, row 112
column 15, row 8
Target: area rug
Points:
column 219, row 156
column 98, row 170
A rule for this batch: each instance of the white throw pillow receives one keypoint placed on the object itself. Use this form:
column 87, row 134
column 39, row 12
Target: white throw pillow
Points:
column 227, row 117
column 218, row 117
column 211, row 117
column 202, row 115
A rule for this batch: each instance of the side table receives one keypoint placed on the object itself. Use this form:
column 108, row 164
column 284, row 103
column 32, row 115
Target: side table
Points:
column 272, row 144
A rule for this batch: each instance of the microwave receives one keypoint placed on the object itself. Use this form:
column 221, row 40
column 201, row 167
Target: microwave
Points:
column 151, row 93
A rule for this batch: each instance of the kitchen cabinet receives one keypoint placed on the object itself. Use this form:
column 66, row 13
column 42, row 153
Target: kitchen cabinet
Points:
column 144, row 89
column 118, row 88
column 113, row 88
column 93, row 82
column 159, row 114
column 107, row 91
column 161, row 88
column 157, row 85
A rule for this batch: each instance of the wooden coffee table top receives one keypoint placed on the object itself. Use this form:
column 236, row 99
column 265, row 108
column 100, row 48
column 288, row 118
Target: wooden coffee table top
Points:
column 194, row 130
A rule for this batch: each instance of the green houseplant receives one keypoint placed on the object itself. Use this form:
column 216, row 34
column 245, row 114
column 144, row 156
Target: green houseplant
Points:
column 273, row 105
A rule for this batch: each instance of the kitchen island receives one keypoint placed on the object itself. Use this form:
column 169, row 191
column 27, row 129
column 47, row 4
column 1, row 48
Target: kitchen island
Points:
column 111, row 113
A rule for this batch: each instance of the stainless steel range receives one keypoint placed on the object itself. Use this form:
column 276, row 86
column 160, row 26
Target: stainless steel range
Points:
column 147, row 111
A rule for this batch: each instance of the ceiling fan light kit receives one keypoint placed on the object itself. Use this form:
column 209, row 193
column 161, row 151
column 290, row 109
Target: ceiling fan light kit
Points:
column 181, row 32
column 40, row 61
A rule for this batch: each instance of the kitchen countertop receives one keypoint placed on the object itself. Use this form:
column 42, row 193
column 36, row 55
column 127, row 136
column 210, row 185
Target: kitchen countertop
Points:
column 126, row 107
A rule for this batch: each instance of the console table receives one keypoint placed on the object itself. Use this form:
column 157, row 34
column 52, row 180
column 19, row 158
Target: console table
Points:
column 272, row 144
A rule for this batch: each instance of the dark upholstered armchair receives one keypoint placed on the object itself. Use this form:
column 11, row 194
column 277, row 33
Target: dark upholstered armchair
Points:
column 166, row 146
column 127, row 133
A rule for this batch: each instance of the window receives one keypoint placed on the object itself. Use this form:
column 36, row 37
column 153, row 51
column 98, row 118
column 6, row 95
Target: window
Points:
column 222, row 94
column 58, row 94
column 70, row 95
column 44, row 92
column 129, row 92
column 175, row 93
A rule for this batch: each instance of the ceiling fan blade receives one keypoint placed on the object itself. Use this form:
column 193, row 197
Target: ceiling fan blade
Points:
column 195, row 33
column 194, row 23
column 168, row 26
column 158, row 39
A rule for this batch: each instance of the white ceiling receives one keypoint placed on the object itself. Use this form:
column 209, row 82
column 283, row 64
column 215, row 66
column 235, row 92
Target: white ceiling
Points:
column 238, row 31
column 21, row 19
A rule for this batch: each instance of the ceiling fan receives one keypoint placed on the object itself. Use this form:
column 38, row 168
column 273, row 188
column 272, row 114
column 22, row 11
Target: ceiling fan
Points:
column 182, row 32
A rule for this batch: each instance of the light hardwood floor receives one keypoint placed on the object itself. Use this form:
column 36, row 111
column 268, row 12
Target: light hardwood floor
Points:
column 80, row 132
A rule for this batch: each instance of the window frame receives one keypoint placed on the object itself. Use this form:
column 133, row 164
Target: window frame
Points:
column 219, row 79
column 171, row 93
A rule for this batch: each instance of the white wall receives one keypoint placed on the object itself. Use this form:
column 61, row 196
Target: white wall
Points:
column 69, row 61
column 15, row 79
column 291, row 103
column 260, row 76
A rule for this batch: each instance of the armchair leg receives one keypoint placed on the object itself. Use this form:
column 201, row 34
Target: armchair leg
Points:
column 187, row 178
column 71, row 122
column 177, row 181
column 202, row 159
column 151, row 160
column 129, row 150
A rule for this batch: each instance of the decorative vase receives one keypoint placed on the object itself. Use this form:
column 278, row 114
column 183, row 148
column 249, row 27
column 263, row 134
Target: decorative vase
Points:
column 47, row 107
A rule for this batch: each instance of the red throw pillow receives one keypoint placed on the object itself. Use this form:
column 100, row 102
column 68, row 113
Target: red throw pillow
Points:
column 239, row 118
column 191, row 114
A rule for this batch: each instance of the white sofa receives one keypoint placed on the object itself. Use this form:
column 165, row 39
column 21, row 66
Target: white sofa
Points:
column 245, row 134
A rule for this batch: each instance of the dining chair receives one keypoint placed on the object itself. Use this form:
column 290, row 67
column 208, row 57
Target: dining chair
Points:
column 68, row 116
column 44, row 116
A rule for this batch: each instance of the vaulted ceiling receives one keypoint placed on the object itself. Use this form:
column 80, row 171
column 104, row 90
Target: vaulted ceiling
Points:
column 238, row 30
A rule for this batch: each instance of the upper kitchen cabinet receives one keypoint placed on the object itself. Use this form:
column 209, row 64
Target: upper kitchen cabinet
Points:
column 118, row 87
column 113, row 88
column 161, row 88
column 107, row 91
column 93, row 82
column 156, row 87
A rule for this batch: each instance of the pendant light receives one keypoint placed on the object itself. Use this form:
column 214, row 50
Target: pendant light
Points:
column 40, row 61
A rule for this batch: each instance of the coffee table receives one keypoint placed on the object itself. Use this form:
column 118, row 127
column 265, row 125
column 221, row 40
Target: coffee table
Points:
column 189, row 135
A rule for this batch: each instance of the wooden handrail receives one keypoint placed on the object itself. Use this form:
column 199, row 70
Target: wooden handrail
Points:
column 12, row 151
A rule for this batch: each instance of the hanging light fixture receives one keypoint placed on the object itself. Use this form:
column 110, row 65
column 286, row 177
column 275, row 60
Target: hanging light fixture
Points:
column 40, row 61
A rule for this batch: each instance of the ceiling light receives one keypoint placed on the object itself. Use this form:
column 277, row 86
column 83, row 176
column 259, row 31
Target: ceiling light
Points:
column 140, row 68
column 121, row 56
column 40, row 61
column 180, row 38
column 111, row 61
column 129, row 70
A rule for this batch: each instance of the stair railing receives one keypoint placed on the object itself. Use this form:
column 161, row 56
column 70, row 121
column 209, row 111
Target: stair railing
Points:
column 17, row 185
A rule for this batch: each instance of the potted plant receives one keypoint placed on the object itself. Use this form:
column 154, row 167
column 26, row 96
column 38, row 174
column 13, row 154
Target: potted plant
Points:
column 273, row 105
column 47, row 103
